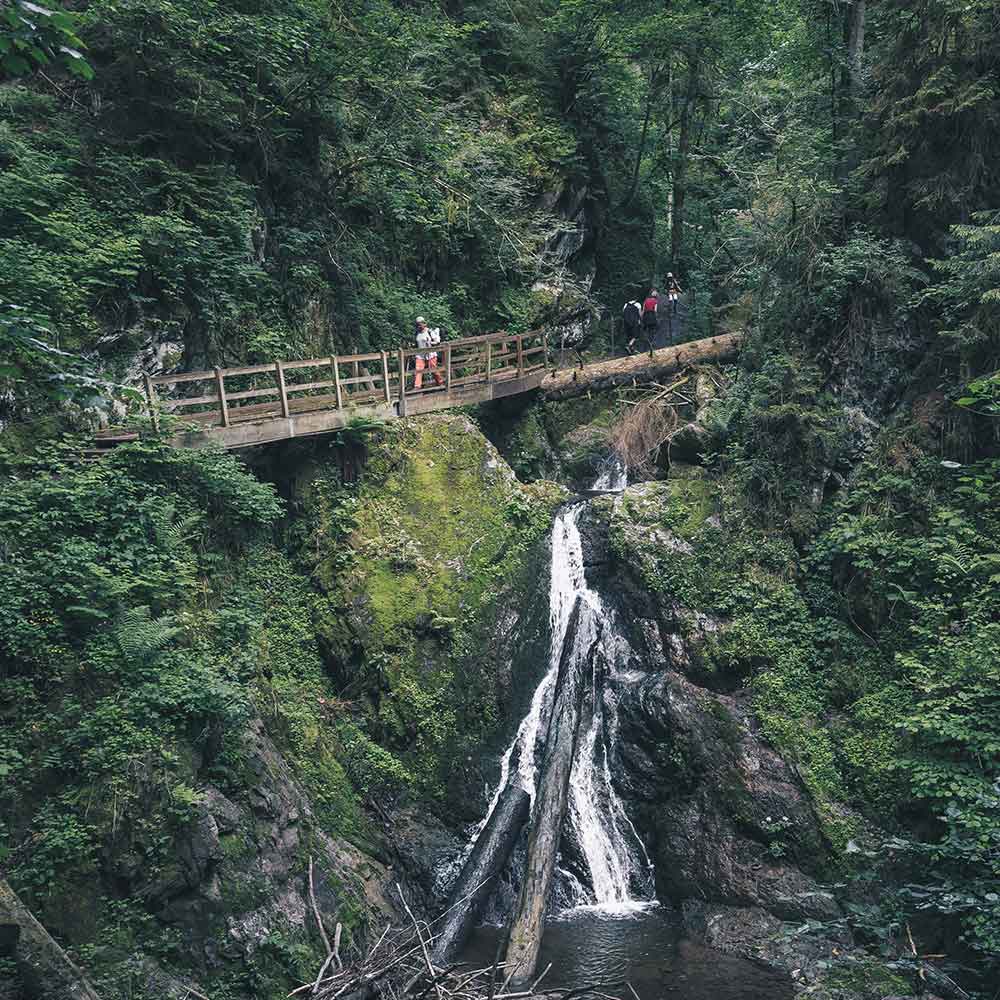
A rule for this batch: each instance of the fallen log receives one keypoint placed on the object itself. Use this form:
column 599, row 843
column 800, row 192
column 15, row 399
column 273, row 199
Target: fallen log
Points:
column 550, row 806
column 479, row 874
column 47, row 971
column 638, row 369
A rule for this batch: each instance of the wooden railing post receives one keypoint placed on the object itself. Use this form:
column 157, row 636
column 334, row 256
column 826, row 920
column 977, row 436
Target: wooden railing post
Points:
column 447, row 367
column 220, row 387
column 336, row 381
column 489, row 359
column 545, row 349
column 385, row 375
column 402, row 375
column 520, row 357
column 279, row 372
column 151, row 402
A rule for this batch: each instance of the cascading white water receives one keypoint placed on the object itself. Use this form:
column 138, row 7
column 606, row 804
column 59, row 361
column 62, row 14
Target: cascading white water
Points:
column 598, row 823
column 613, row 478
column 566, row 581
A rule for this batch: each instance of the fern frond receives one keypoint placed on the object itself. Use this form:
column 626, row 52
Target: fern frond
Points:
column 140, row 636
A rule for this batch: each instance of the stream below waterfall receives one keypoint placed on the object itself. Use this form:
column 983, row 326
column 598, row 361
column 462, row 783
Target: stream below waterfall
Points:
column 646, row 949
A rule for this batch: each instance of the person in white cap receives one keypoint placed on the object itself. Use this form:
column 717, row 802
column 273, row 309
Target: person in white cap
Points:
column 673, row 292
column 429, row 360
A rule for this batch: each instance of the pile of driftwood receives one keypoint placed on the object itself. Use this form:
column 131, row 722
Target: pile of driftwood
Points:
column 400, row 966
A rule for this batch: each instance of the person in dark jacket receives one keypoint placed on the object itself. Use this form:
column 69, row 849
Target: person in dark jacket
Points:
column 631, row 323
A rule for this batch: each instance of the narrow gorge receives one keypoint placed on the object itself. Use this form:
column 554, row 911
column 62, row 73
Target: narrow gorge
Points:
column 499, row 500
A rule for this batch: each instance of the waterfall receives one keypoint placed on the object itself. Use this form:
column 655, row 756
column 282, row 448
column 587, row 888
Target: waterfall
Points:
column 570, row 726
column 597, row 823
column 566, row 581
column 613, row 477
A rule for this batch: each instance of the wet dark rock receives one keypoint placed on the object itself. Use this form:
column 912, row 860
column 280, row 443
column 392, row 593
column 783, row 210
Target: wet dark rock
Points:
column 752, row 932
column 584, row 454
column 426, row 850
column 690, row 442
column 729, row 820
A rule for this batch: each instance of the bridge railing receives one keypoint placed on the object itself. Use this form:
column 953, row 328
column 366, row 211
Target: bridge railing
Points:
column 280, row 388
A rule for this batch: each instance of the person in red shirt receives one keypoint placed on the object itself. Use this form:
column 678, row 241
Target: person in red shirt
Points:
column 651, row 319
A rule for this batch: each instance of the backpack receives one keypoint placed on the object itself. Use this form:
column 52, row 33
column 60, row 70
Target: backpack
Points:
column 632, row 315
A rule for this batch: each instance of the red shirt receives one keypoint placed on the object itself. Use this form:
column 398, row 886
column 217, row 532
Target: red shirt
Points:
column 650, row 304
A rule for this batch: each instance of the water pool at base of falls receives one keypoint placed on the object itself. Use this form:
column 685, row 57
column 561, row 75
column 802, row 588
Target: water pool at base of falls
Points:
column 646, row 948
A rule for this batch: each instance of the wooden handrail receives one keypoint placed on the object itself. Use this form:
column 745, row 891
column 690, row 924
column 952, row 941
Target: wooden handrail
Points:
column 468, row 361
column 474, row 369
column 483, row 340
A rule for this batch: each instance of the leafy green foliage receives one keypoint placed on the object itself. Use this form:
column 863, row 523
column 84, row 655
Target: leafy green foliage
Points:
column 281, row 182
column 33, row 369
column 968, row 299
column 872, row 661
column 246, row 182
column 107, row 667
column 32, row 36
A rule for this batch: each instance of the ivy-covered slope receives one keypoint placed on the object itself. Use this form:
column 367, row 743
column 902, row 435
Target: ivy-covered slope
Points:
column 284, row 178
column 202, row 690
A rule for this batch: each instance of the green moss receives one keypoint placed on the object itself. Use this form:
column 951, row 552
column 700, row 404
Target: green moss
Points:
column 441, row 531
column 565, row 440
column 689, row 505
column 431, row 524
column 859, row 980
column 236, row 846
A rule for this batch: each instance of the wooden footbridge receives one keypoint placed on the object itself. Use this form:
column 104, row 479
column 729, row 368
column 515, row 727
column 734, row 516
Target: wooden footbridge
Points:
column 259, row 404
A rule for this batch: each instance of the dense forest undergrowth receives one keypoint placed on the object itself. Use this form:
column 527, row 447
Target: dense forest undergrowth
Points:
column 184, row 185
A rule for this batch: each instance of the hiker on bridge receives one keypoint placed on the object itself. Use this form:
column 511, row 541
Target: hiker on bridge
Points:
column 650, row 321
column 631, row 322
column 429, row 360
column 673, row 292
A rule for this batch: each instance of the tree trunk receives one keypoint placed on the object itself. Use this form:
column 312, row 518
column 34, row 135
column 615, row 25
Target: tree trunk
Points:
column 47, row 971
column 850, row 87
column 854, row 36
column 637, row 370
column 481, row 870
column 680, row 171
column 550, row 811
column 654, row 88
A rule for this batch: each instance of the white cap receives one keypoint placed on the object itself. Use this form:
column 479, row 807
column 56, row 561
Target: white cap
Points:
column 420, row 319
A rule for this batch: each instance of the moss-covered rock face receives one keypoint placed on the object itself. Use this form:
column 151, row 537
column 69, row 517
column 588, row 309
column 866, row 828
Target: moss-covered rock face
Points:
column 426, row 587
column 734, row 617
column 568, row 441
